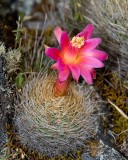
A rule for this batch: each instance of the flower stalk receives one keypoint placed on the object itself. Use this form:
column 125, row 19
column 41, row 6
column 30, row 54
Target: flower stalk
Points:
column 61, row 88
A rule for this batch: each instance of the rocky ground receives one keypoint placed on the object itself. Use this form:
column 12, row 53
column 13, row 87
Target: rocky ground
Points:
column 103, row 151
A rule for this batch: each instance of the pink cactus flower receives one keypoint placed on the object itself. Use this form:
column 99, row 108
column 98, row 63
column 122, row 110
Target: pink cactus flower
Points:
column 78, row 56
column 75, row 57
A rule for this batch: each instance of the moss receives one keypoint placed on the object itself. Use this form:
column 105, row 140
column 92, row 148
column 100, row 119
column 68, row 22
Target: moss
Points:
column 113, row 88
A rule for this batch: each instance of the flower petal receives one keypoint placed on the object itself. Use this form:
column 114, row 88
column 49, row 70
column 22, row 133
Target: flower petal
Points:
column 53, row 53
column 90, row 44
column 61, row 64
column 57, row 32
column 85, row 73
column 91, row 62
column 92, row 72
column 75, row 71
column 101, row 55
column 64, row 40
column 69, row 54
column 87, row 32
column 63, row 74
column 54, row 66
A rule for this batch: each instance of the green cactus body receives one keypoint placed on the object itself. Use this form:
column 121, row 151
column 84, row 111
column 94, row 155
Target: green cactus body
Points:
column 55, row 125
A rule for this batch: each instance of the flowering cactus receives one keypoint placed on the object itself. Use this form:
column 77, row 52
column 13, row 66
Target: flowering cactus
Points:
column 76, row 57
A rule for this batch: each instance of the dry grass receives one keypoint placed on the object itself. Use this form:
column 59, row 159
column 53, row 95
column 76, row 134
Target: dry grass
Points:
column 111, row 21
column 111, row 24
column 55, row 125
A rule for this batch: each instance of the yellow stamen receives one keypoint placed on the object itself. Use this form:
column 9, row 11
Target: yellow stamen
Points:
column 77, row 42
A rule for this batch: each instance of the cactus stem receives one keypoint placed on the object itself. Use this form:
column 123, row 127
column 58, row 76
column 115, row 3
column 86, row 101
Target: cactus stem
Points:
column 61, row 88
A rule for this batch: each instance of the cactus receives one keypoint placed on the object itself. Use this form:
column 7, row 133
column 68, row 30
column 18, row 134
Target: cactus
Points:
column 55, row 125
